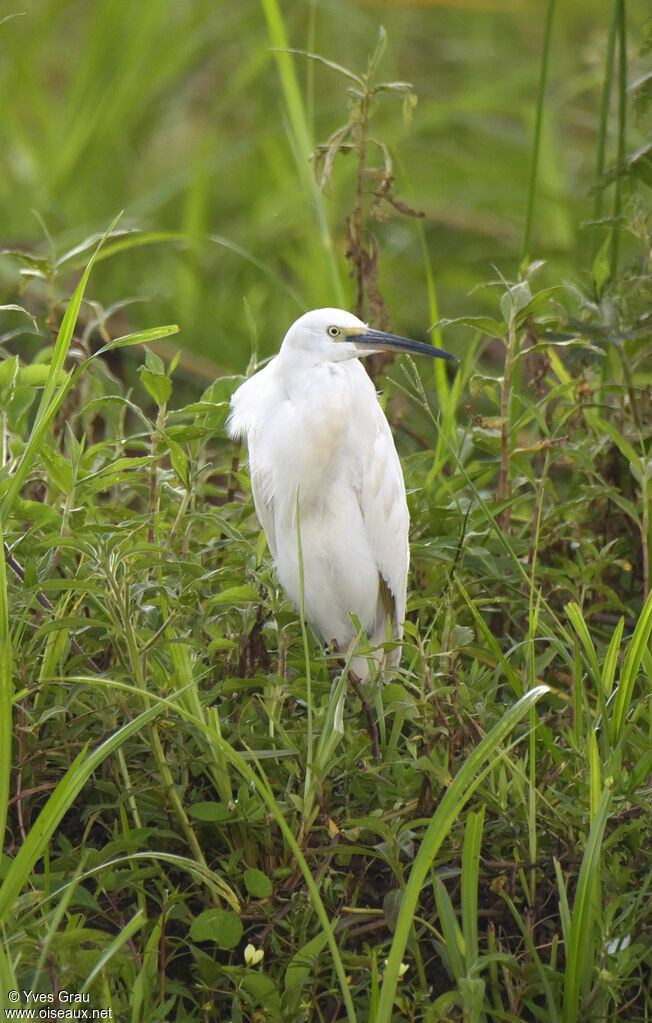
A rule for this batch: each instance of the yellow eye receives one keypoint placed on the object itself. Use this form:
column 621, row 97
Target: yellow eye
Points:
column 334, row 331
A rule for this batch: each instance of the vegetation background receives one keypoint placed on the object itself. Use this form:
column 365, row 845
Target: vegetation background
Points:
column 188, row 836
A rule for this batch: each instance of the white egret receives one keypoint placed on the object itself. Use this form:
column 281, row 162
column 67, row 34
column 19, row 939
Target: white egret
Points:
column 319, row 442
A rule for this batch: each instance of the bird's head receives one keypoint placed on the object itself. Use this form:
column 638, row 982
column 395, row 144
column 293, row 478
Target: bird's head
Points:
column 333, row 335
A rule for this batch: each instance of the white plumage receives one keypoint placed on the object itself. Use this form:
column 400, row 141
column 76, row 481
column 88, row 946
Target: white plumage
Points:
column 318, row 440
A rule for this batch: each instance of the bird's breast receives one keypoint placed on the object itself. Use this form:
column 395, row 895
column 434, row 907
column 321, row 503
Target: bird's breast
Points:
column 308, row 437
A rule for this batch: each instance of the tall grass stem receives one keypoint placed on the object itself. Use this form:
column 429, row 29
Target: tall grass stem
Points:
column 538, row 129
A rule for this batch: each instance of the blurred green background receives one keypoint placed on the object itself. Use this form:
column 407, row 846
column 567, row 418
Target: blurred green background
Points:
column 174, row 112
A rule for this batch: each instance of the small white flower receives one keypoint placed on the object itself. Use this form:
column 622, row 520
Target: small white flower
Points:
column 619, row 945
column 402, row 970
column 253, row 955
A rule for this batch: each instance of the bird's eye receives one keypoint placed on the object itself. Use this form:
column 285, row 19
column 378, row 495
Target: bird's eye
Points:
column 334, row 331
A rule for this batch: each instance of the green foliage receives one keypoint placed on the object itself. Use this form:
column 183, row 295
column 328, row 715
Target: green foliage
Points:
column 196, row 827
column 156, row 669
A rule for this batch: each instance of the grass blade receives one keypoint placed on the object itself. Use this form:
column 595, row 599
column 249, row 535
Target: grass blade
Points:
column 58, row 803
column 510, row 674
column 258, row 780
column 552, row 1007
column 458, row 793
column 579, row 942
column 6, row 693
column 534, row 168
column 51, row 398
column 470, row 869
column 577, row 621
column 125, row 933
column 611, row 660
column 635, row 650
column 450, row 929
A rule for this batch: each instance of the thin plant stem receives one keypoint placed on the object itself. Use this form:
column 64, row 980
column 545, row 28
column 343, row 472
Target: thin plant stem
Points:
column 538, row 124
column 301, row 137
column 308, row 788
column 622, row 130
column 357, row 229
column 504, row 482
column 598, row 204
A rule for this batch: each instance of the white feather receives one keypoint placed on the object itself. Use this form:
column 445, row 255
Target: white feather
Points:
column 318, row 439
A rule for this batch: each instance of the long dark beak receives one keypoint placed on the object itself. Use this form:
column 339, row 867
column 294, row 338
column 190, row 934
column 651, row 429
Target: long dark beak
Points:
column 378, row 340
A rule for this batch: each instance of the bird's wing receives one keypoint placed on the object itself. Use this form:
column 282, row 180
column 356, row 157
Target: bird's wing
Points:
column 264, row 505
column 245, row 422
column 385, row 514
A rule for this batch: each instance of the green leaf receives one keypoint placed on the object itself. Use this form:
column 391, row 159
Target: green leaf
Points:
column 299, row 971
column 157, row 385
column 258, row 884
column 139, row 338
column 54, row 390
column 22, row 399
column 154, row 363
column 577, row 621
column 484, row 323
column 580, row 938
column 515, row 299
column 377, row 55
column 13, row 308
column 8, row 370
column 636, row 649
column 210, row 811
column 263, row 988
column 219, row 392
column 57, row 468
column 469, row 885
column 626, row 449
column 602, row 266
column 179, row 462
column 37, row 373
column 218, row 925
column 536, row 302
column 611, row 659
column 330, row 64
column 450, row 928
column 235, row 595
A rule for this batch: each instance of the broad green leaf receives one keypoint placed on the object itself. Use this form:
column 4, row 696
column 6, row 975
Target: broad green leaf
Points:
column 602, row 265
column 299, row 971
column 536, row 302
column 210, row 811
column 515, row 299
column 179, row 462
column 235, row 595
column 157, row 385
column 257, row 883
column 57, row 468
column 219, row 925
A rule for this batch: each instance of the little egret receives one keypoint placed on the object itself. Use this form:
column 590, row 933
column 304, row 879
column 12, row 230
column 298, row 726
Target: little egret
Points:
column 319, row 443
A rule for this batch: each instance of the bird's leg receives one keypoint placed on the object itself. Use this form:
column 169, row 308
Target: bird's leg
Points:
column 356, row 682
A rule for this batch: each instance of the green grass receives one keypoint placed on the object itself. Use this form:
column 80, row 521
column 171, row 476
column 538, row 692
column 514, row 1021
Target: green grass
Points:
column 202, row 137
column 485, row 867
column 191, row 833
